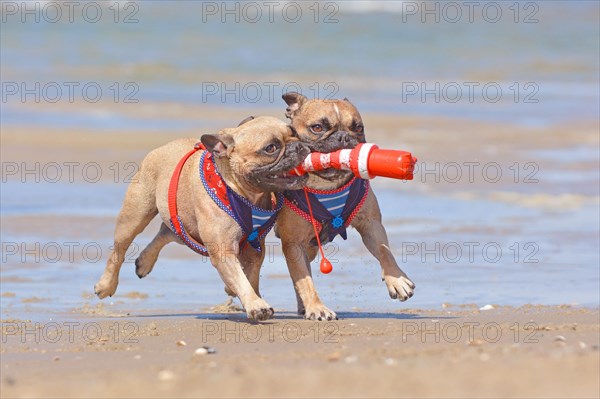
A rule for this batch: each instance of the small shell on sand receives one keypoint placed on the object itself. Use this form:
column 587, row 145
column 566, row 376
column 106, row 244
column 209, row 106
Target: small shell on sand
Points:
column 205, row 350
column 200, row 352
column 560, row 338
column 180, row 343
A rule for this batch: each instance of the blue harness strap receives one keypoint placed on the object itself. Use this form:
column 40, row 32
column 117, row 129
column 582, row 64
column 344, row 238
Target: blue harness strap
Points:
column 332, row 209
column 255, row 222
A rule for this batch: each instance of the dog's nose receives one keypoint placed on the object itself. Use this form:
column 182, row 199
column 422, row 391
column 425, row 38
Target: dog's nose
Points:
column 300, row 148
column 346, row 139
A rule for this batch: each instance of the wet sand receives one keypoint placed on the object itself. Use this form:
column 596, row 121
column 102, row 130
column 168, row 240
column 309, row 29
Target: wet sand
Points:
column 455, row 155
column 456, row 351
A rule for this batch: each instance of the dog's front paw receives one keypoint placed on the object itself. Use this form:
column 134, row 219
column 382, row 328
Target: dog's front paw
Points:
column 399, row 287
column 106, row 287
column 259, row 310
column 319, row 312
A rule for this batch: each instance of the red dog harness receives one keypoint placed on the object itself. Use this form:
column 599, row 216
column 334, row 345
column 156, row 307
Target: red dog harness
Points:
column 254, row 221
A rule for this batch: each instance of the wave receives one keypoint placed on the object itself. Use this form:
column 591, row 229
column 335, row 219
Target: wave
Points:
column 376, row 6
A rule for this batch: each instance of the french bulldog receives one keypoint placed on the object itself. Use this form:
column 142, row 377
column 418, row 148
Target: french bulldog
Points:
column 252, row 161
column 326, row 126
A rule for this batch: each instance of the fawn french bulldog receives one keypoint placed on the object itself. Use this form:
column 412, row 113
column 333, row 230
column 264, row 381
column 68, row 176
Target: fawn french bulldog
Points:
column 222, row 208
column 338, row 200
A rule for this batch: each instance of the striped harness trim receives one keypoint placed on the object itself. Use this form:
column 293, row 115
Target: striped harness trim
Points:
column 332, row 209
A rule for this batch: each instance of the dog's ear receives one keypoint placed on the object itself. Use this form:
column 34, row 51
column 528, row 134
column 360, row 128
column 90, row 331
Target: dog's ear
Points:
column 248, row 119
column 294, row 101
column 220, row 145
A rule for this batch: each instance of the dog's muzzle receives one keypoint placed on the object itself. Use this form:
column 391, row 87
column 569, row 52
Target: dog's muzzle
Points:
column 276, row 177
column 338, row 140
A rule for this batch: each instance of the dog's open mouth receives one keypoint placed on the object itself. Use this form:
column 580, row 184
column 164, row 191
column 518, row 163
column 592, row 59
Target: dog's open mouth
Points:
column 287, row 179
column 280, row 181
column 281, row 175
column 286, row 175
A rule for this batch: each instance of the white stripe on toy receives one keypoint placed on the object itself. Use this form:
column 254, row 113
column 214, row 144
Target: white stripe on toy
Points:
column 308, row 165
column 363, row 160
column 325, row 160
column 345, row 159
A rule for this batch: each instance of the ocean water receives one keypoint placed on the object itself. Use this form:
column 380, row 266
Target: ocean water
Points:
column 456, row 251
column 533, row 63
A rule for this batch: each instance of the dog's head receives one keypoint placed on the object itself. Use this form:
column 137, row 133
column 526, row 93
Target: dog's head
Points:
column 260, row 152
column 325, row 126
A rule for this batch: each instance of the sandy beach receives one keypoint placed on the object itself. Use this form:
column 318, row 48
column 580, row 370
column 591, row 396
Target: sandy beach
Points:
column 455, row 351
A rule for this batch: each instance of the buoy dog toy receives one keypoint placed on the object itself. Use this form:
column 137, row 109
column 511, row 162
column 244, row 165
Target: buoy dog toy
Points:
column 366, row 161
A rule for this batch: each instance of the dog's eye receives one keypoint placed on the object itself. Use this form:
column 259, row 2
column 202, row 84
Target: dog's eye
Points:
column 271, row 149
column 359, row 129
column 316, row 128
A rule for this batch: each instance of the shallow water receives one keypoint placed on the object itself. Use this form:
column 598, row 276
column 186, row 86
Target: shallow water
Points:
column 456, row 251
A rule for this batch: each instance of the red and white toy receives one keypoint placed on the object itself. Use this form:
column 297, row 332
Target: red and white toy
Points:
column 366, row 161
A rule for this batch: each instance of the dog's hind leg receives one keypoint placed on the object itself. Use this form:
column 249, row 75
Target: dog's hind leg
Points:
column 139, row 208
column 145, row 262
